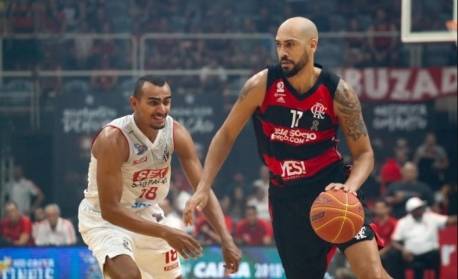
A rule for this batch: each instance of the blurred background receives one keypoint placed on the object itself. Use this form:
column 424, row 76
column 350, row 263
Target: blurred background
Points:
column 67, row 68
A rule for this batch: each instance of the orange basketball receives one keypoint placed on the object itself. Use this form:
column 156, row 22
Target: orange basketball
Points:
column 336, row 216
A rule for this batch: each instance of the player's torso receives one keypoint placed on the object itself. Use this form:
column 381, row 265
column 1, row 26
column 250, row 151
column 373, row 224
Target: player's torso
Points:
column 296, row 132
column 146, row 174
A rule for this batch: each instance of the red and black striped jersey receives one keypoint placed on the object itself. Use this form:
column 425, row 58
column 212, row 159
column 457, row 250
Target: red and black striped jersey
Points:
column 297, row 132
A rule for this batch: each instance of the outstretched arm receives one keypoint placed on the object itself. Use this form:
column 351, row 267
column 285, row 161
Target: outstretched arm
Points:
column 186, row 151
column 348, row 110
column 250, row 98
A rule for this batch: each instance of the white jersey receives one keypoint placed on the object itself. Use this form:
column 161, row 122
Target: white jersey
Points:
column 146, row 174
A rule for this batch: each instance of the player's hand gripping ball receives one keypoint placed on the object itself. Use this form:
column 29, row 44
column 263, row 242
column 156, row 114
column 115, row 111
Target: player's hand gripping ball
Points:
column 336, row 216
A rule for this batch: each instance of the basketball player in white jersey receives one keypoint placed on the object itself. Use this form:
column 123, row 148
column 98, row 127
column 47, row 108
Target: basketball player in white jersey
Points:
column 129, row 174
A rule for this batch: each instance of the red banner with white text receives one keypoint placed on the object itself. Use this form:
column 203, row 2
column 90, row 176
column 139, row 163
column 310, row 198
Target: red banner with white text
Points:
column 448, row 246
column 402, row 85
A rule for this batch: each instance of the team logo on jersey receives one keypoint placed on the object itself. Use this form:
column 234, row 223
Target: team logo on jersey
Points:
column 318, row 110
column 140, row 148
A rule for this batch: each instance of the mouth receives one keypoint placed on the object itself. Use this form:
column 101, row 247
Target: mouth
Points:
column 158, row 117
column 286, row 63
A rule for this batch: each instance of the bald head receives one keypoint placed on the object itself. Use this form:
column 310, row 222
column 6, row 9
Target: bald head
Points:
column 297, row 41
column 299, row 28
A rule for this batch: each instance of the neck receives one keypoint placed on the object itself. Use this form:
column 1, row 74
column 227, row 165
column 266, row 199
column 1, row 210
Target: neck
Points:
column 304, row 79
column 149, row 132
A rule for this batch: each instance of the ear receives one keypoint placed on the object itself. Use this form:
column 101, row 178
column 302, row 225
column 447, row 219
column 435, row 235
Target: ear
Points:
column 133, row 102
column 313, row 44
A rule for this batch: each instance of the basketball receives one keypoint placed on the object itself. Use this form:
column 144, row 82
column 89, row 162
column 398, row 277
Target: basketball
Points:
column 336, row 216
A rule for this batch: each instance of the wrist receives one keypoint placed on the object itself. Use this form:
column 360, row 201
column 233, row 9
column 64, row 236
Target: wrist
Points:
column 227, row 240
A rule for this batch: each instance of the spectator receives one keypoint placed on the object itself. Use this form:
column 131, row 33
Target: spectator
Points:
column 22, row 190
column 172, row 219
column 15, row 229
column 263, row 180
column 205, row 233
column 382, row 46
column 253, row 231
column 417, row 237
column 391, row 170
column 398, row 193
column 432, row 161
column 238, row 202
column 54, row 230
column 38, row 215
column 385, row 225
column 261, row 202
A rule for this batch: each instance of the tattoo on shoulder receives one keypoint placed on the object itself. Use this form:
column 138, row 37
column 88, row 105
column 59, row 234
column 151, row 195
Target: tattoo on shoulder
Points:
column 350, row 109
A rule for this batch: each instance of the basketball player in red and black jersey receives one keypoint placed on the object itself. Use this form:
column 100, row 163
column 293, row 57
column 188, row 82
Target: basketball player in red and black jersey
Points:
column 296, row 108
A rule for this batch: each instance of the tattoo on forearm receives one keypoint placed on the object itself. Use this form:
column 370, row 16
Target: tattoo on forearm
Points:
column 350, row 108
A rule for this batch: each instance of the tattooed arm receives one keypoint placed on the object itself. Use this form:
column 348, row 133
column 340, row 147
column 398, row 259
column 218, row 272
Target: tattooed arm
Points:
column 348, row 110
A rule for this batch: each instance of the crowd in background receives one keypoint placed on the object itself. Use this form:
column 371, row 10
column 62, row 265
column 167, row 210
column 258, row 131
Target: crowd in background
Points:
column 137, row 17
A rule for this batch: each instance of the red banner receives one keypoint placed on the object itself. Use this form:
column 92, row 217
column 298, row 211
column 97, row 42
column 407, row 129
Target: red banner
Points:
column 448, row 246
column 402, row 85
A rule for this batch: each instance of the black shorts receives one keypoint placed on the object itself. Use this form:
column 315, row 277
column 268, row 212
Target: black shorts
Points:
column 302, row 252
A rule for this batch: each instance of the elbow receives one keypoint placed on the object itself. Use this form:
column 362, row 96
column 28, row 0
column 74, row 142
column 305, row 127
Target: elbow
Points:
column 226, row 136
column 109, row 213
column 371, row 158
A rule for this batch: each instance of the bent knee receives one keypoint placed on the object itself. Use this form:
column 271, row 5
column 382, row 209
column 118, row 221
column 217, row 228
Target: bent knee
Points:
column 132, row 273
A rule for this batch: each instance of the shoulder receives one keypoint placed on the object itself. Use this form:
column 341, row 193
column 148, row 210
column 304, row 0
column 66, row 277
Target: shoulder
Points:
column 258, row 80
column 180, row 133
column 110, row 139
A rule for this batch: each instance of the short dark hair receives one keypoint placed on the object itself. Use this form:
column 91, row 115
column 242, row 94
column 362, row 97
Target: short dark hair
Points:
column 11, row 202
column 148, row 78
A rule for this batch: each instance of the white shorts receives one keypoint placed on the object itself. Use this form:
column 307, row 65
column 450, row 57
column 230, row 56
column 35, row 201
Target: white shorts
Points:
column 155, row 258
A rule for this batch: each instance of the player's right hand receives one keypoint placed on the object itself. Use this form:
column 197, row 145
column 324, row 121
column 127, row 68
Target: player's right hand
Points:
column 198, row 201
column 184, row 244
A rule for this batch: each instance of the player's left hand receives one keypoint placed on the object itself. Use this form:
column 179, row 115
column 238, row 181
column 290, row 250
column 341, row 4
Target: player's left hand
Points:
column 198, row 201
column 340, row 186
column 232, row 256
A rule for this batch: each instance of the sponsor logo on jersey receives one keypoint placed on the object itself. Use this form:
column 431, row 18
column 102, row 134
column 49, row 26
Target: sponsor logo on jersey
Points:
column 280, row 92
column 361, row 234
column 126, row 244
column 140, row 148
column 149, row 177
column 140, row 160
column 171, row 267
column 293, row 136
column 292, row 169
column 318, row 110
column 150, row 174
column 139, row 204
